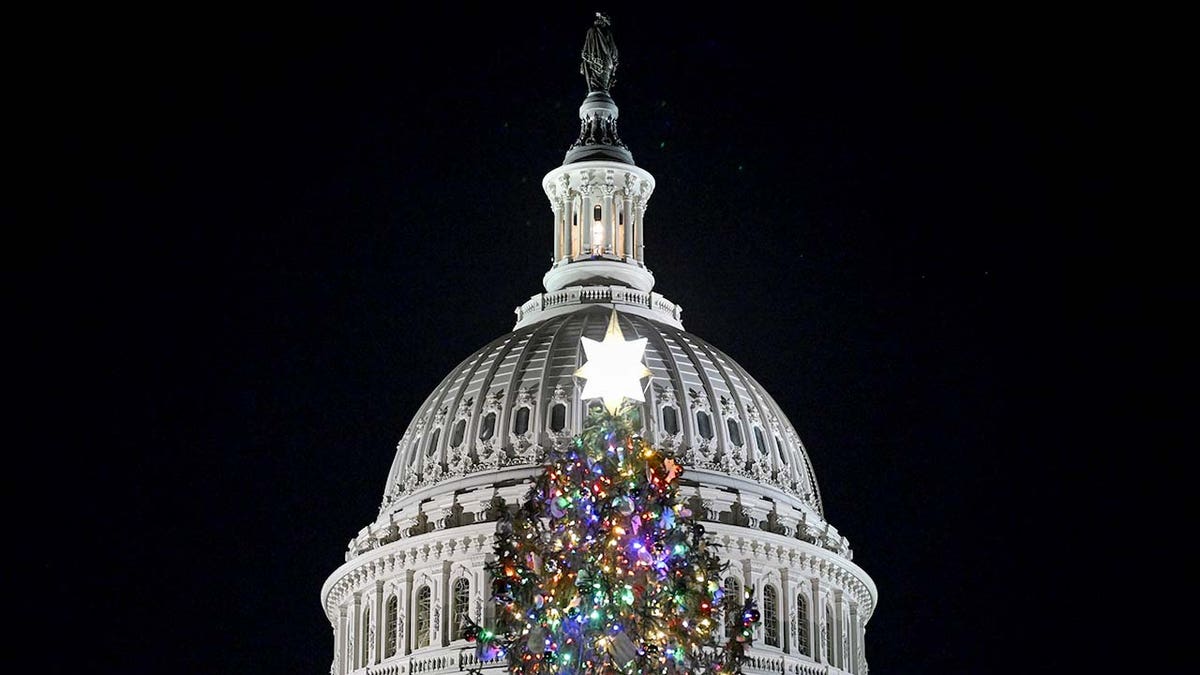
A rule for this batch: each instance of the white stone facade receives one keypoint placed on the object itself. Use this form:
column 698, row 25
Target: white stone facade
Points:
column 410, row 576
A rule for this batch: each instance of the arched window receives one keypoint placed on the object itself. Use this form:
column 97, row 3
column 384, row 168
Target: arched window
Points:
column 704, row 425
column 802, row 641
column 366, row 638
column 462, row 606
column 782, row 454
column 770, row 615
column 488, row 428
column 456, row 435
column 670, row 420
column 558, row 417
column 389, row 639
column 433, row 441
column 597, row 230
column 735, row 431
column 521, row 421
column 759, row 442
column 422, row 625
column 733, row 619
column 829, row 634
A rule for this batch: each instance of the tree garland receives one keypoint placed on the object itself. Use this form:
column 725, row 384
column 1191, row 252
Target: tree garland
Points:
column 604, row 570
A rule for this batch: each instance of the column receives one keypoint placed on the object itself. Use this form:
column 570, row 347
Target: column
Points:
column 557, row 207
column 573, row 224
column 407, row 607
column 585, row 223
column 640, row 248
column 439, row 607
column 787, row 618
column 358, row 631
column 755, row 573
column 855, row 640
column 619, row 226
column 340, row 643
column 838, row 612
column 610, row 222
column 380, row 623
column 627, row 209
column 817, row 622
column 481, row 609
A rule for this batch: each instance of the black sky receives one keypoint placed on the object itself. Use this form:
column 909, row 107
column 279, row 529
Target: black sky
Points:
column 277, row 229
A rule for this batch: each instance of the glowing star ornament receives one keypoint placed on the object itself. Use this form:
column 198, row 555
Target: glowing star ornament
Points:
column 614, row 367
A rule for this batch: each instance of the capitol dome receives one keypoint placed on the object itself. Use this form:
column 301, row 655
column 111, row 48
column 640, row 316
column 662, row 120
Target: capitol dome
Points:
column 415, row 573
column 496, row 411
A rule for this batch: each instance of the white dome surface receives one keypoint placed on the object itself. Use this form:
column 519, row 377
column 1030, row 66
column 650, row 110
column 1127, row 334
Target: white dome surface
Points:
column 414, row 575
column 498, row 405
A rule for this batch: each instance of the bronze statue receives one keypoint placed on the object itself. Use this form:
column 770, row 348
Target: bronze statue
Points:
column 599, row 66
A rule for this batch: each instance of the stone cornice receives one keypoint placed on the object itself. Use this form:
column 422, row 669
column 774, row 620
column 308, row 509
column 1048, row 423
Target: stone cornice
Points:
column 406, row 554
column 779, row 550
column 476, row 540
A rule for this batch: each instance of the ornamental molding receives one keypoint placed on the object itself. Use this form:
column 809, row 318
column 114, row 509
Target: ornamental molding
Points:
column 464, row 408
column 752, row 415
column 728, row 410
column 494, row 402
column 427, row 552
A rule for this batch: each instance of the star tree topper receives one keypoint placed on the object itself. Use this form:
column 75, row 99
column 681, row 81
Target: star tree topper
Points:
column 614, row 367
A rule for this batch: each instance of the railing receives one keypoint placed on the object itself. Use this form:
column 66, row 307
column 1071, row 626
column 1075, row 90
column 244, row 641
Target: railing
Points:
column 443, row 662
column 467, row 660
column 577, row 295
column 789, row 665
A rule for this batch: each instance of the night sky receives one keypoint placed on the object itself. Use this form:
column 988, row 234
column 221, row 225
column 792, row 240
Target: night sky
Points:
column 279, row 228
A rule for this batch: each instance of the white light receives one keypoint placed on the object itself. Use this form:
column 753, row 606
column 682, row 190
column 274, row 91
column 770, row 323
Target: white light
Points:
column 614, row 367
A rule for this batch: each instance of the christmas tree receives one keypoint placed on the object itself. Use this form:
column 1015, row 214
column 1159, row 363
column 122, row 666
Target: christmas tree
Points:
column 604, row 569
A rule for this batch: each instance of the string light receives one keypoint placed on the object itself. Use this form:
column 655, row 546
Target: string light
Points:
column 604, row 570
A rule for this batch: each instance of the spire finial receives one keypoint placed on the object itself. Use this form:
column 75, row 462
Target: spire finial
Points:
column 599, row 58
column 598, row 138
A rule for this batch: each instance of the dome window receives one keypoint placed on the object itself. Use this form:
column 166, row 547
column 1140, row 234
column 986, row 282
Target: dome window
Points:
column 670, row 419
column 366, row 638
column 828, row 634
column 521, row 421
column 782, row 454
column 802, row 625
column 433, row 441
column 735, row 432
column 733, row 589
column 462, row 603
column 704, row 425
column 488, row 428
column 423, row 624
column 770, row 615
column 760, row 442
column 389, row 635
column 456, row 436
column 558, row 417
